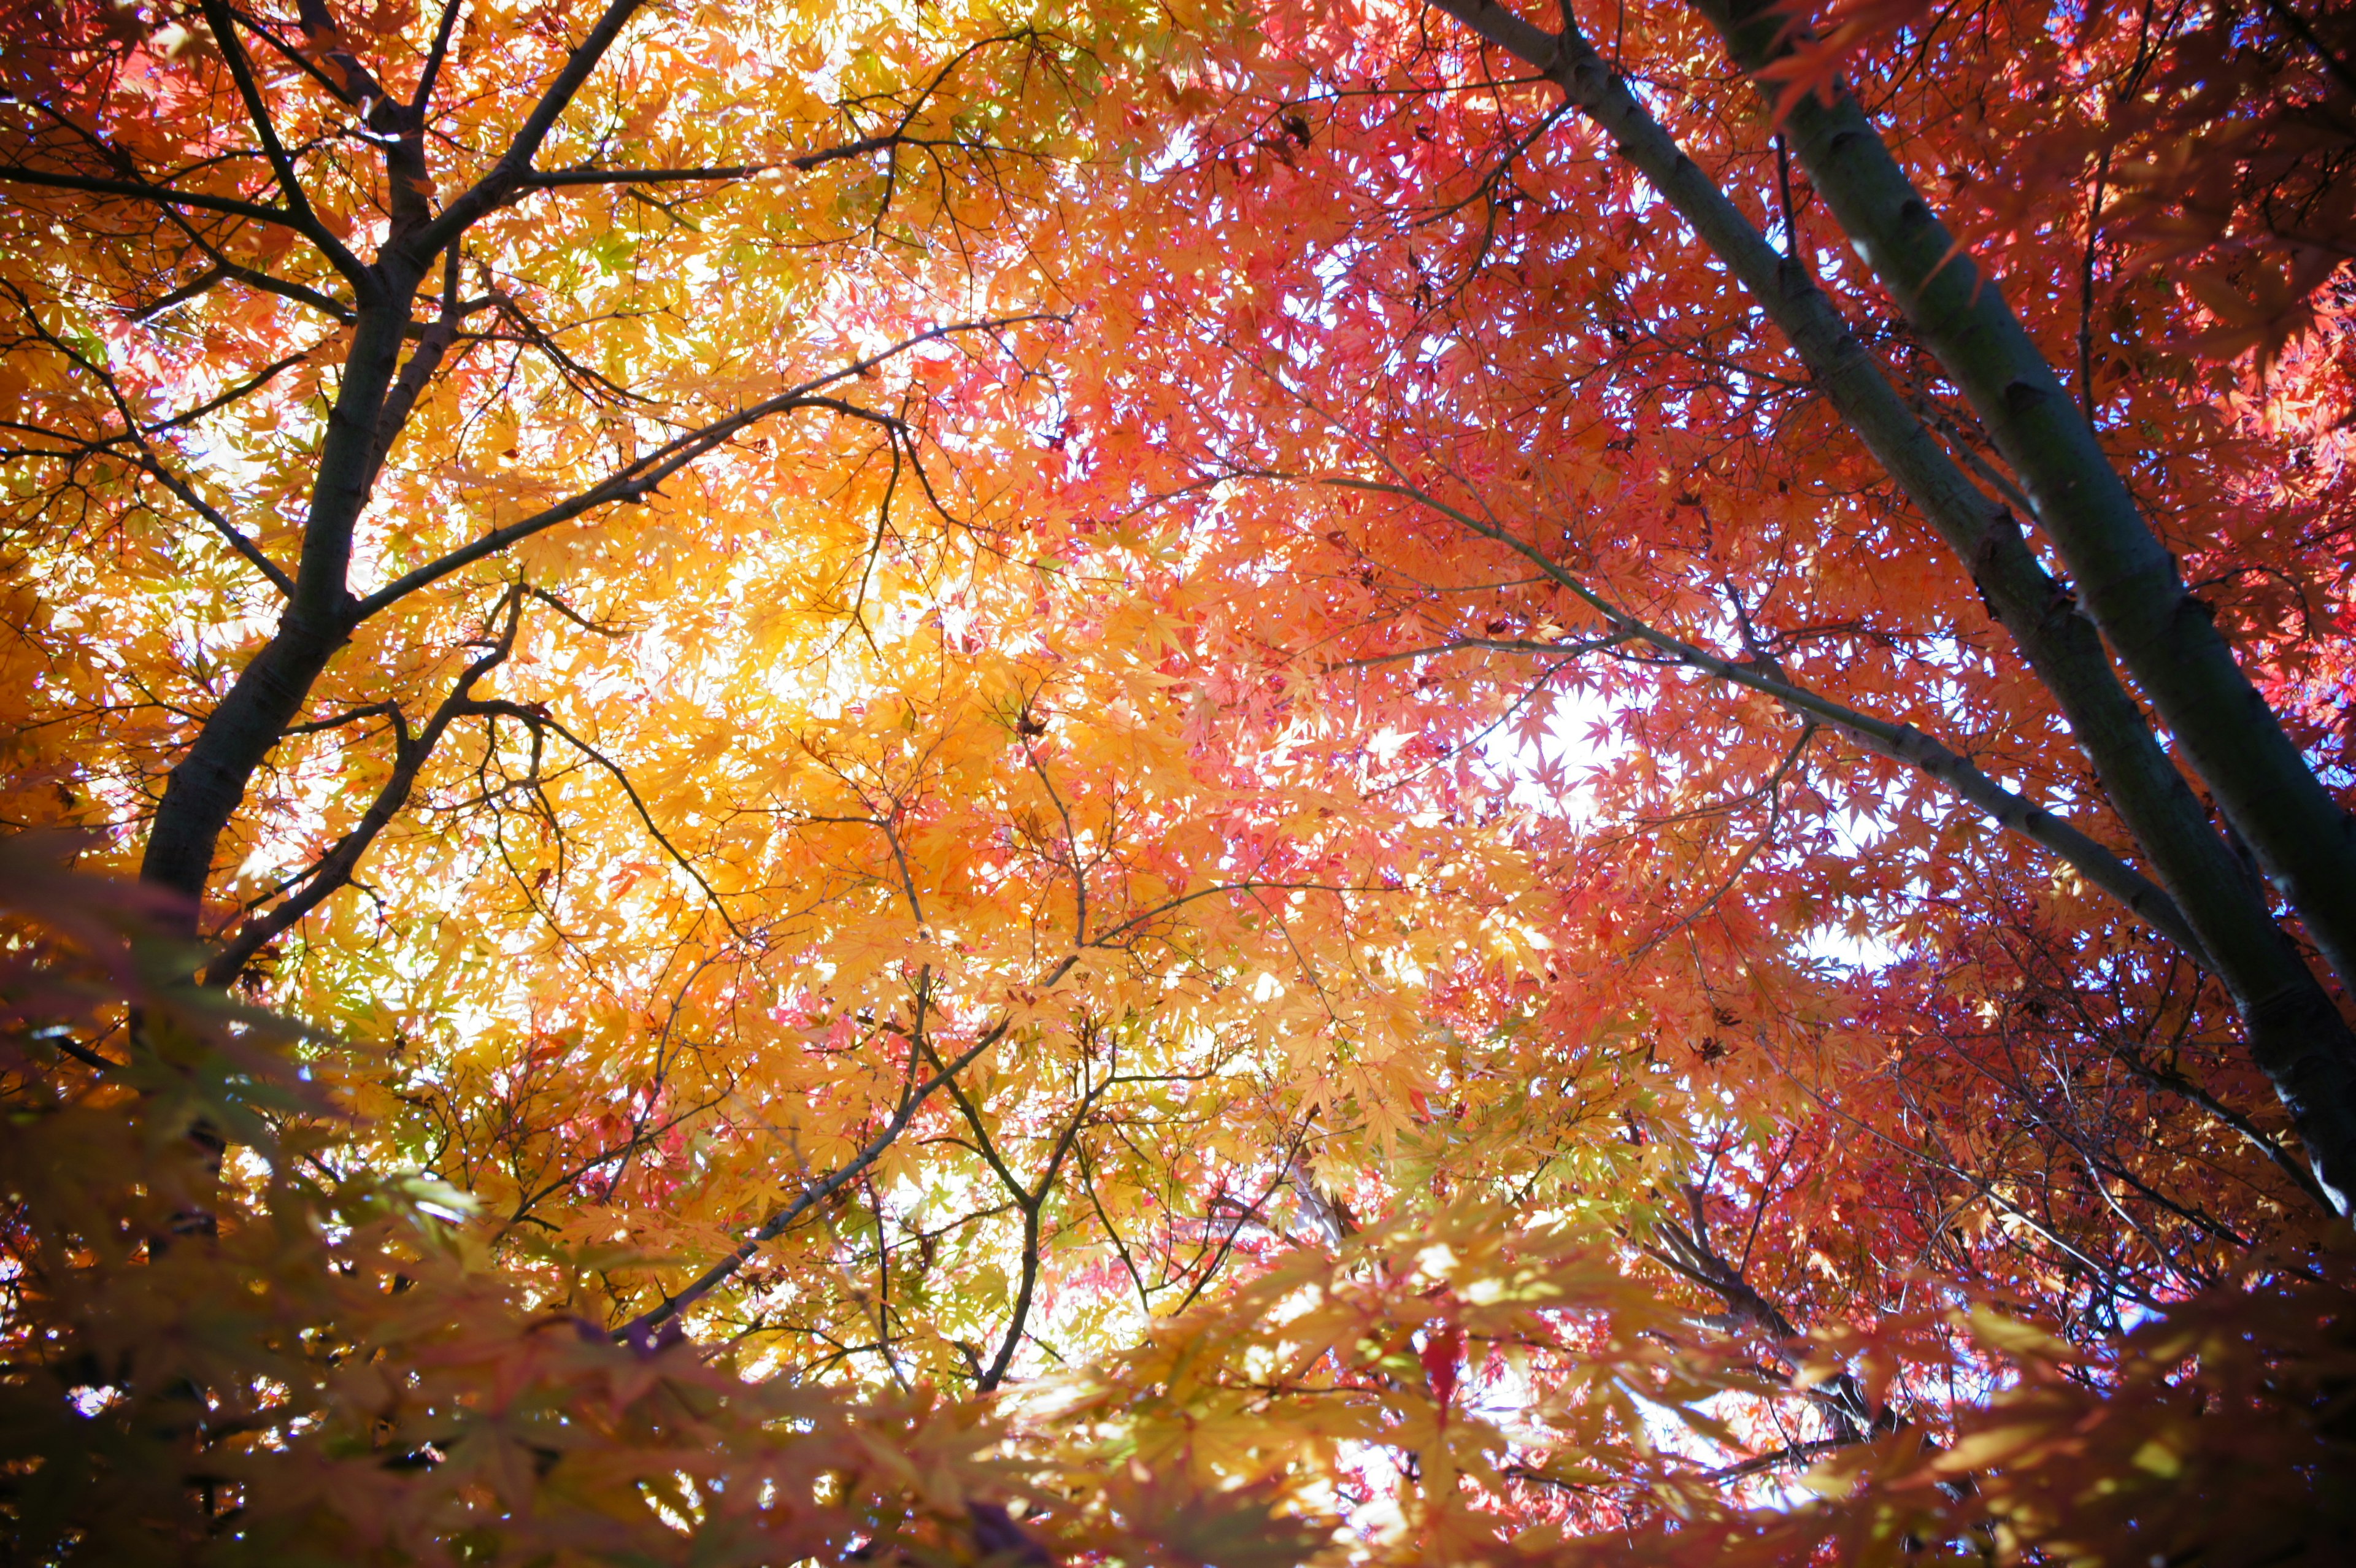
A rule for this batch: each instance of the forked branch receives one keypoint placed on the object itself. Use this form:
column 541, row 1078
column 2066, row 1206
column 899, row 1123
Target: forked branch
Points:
column 640, row 478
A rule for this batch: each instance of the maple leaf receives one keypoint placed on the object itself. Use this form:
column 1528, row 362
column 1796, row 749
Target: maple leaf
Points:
column 1816, row 45
column 886, row 687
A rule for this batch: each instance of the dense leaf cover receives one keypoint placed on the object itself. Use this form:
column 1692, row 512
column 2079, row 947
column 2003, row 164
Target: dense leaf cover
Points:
column 1177, row 783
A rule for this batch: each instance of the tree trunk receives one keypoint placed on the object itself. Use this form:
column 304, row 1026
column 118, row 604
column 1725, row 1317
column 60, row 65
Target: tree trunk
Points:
column 204, row 791
column 2126, row 578
column 2295, row 1032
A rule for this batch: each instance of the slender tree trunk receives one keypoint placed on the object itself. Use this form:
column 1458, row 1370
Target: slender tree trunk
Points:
column 2125, row 576
column 2295, row 1033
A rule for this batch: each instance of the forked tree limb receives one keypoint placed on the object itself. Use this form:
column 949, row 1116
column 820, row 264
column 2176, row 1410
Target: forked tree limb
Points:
column 290, row 194
column 2061, row 646
column 641, row 1330
column 540, row 722
column 373, row 398
column 635, row 480
column 514, row 166
column 141, row 453
column 208, row 787
column 157, row 194
column 412, row 751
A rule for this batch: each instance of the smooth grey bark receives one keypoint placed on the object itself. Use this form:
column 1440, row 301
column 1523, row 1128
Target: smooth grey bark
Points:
column 2295, row 1032
column 2126, row 577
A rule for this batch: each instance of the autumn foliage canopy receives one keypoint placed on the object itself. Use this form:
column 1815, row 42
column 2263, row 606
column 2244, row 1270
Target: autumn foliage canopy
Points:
column 1177, row 783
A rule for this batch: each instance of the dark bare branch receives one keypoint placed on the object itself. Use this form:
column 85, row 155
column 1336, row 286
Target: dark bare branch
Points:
column 556, row 180
column 640, row 478
column 536, row 720
column 289, row 187
column 335, row 869
column 514, row 165
column 162, row 196
column 440, row 51
column 1899, row 742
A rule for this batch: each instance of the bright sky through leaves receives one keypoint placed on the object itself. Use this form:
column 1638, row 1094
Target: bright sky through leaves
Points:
column 1179, row 783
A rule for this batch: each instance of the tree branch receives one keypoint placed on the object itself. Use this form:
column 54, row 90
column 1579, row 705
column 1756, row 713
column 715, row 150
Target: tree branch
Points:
column 2296, row 1031
column 495, row 707
column 640, row 478
column 514, row 165
column 142, row 456
column 440, row 51
column 301, row 218
column 640, row 1331
column 1899, row 742
column 554, row 179
column 335, row 869
column 163, row 196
